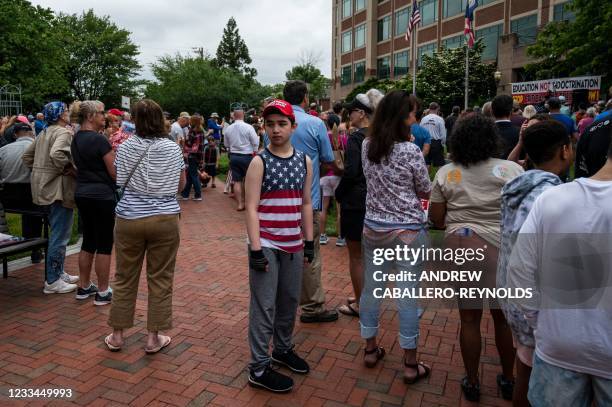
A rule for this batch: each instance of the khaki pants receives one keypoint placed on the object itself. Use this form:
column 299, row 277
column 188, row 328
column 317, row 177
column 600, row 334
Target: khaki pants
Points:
column 313, row 296
column 157, row 237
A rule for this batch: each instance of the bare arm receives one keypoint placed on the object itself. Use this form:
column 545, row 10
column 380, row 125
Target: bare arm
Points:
column 515, row 154
column 426, row 148
column 437, row 214
column 307, row 220
column 252, row 185
column 182, row 181
column 109, row 162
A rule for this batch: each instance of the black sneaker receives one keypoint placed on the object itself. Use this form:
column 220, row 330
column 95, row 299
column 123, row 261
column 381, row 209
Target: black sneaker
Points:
column 271, row 380
column 85, row 293
column 470, row 391
column 103, row 299
column 323, row 316
column 505, row 386
column 291, row 360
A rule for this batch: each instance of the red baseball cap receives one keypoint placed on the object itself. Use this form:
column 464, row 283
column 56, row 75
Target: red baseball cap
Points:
column 115, row 112
column 280, row 107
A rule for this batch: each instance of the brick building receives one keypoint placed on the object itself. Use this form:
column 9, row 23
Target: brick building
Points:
column 368, row 36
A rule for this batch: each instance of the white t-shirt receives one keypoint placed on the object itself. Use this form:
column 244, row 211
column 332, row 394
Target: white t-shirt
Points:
column 176, row 132
column 241, row 138
column 566, row 244
column 435, row 125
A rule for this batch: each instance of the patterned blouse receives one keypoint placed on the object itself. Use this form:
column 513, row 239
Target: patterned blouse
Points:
column 393, row 185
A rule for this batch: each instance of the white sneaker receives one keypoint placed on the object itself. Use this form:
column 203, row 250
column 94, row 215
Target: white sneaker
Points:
column 197, row 199
column 323, row 239
column 69, row 279
column 59, row 287
column 340, row 242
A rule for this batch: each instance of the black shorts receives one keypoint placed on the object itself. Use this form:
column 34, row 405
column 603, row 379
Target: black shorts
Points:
column 98, row 218
column 239, row 164
column 211, row 169
column 436, row 154
column 351, row 224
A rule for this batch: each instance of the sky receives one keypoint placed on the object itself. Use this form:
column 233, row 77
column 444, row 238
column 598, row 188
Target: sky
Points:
column 278, row 33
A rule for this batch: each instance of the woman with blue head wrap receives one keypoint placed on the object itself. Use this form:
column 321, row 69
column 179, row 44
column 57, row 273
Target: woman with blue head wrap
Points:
column 53, row 184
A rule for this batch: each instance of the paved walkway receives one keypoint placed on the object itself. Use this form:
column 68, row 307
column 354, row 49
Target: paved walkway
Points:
column 55, row 341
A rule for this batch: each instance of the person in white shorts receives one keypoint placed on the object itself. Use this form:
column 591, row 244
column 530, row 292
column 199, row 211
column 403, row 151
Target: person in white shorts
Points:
column 329, row 183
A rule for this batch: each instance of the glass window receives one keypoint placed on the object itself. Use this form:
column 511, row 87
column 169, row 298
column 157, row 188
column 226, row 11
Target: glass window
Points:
column 429, row 11
column 359, row 5
column 360, row 36
column 359, row 74
column 345, row 78
column 452, row 8
column 347, row 39
column 484, row 2
column 561, row 13
column 384, row 28
column 428, row 49
column 346, row 8
column 383, row 68
column 401, row 21
column 400, row 63
column 526, row 28
column 490, row 36
column 453, row 42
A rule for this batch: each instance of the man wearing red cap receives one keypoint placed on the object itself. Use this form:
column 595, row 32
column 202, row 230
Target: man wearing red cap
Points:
column 278, row 205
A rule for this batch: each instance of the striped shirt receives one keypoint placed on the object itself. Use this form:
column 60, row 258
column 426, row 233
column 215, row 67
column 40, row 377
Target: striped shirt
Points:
column 152, row 189
column 280, row 205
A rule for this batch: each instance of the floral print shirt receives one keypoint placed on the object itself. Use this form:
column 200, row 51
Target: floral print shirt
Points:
column 394, row 183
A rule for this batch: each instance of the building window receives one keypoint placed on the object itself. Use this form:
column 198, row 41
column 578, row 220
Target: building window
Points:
column 489, row 36
column 429, row 11
column 485, row 2
column 526, row 28
column 347, row 39
column 401, row 21
column 384, row 28
column 359, row 74
column 360, row 36
column 400, row 64
column 428, row 49
column 561, row 13
column 453, row 42
column 346, row 8
column 359, row 5
column 383, row 68
column 345, row 77
column 452, row 8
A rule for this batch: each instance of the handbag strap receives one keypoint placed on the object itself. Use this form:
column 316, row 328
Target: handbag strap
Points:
column 127, row 181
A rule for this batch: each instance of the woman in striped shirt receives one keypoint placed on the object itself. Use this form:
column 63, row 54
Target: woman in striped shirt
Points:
column 150, row 167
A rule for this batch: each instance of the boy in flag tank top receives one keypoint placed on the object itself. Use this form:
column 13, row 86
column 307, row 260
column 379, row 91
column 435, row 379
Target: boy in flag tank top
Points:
column 280, row 230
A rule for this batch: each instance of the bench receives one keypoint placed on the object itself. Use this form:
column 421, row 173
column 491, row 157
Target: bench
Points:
column 22, row 246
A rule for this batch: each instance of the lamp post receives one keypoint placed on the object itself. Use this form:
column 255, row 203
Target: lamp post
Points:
column 497, row 75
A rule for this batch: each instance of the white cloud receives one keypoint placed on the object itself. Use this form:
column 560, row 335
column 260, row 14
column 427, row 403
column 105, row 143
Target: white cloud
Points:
column 276, row 32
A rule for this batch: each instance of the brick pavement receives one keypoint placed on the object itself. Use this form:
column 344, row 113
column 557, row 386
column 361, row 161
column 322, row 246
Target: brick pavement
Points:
column 55, row 341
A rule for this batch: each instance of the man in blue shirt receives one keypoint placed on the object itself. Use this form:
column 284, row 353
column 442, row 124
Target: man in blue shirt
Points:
column 311, row 138
column 422, row 138
column 554, row 106
column 39, row 123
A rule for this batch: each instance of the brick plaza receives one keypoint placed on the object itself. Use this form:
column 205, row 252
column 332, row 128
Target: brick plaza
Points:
column 57, row 342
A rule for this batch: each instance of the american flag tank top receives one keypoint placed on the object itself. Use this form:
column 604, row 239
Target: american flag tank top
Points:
column 280, row 204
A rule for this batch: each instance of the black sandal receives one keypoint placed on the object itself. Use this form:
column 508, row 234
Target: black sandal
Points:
column 418, row 376
column 470, row 391
column 380, row 353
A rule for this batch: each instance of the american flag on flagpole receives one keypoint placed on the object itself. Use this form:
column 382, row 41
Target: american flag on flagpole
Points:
column 415, row 19
column 469, row 19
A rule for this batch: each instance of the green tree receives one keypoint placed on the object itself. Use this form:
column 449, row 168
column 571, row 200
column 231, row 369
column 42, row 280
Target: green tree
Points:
column 100, row 58
column 579, row 47
column 199, row 85
column 307, row 72
column 232, row 52
column 31, row 53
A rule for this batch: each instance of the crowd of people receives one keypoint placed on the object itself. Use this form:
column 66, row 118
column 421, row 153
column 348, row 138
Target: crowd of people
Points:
column 501, row 179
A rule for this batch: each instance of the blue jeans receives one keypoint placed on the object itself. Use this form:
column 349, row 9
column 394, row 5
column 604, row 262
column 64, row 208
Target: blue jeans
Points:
column 193, row 179
column 552, row 386
column 60, row 222
column 369, row 304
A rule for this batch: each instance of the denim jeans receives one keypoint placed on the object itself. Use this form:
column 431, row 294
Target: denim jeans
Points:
column 369, row 304
column 60, row 222
column 193, row 179
column 552, row 386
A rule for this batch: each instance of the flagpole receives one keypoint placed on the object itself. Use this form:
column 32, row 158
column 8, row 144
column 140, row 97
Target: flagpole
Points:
column 467, row 73
column 413, row 46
